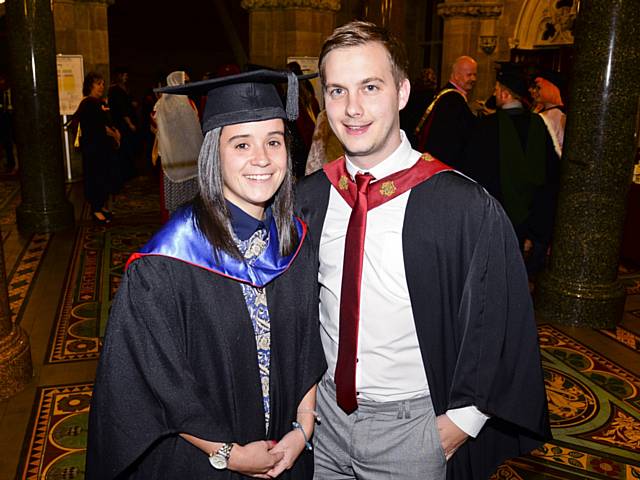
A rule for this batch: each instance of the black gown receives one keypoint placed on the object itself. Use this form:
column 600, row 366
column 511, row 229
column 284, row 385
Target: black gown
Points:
column 473, row 314
column 450, row 124
column 180, row 357
column 98, row 151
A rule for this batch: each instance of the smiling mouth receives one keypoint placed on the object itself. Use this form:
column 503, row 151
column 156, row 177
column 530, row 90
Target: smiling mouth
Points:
column 259, row 178
column 357, row 129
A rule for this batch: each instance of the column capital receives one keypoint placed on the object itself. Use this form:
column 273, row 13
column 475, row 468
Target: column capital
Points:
column 331, row 5
column 470, row 9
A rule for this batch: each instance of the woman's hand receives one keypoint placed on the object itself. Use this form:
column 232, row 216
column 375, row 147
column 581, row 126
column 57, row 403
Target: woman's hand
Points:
column 255, row 459
column 291, row 447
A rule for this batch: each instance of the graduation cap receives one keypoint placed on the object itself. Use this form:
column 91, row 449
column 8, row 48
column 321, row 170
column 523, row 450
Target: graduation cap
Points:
column 512, row 76
column 244, row 97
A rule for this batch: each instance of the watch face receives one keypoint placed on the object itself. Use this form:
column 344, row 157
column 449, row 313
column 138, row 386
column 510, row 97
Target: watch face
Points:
column 218, row 461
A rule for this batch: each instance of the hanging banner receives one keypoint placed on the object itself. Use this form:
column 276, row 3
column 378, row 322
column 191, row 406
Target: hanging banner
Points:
column 70, row 78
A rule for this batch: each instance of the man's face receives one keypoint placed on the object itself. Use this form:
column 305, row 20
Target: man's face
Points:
column 363, row 102
column 501, row 95
column 465, row 75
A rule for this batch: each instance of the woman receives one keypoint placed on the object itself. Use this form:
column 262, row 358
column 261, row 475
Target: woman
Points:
column 179, row 139
column 212, row 351
column 98, row 142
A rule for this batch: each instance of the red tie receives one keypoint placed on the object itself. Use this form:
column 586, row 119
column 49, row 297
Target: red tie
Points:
column 345, row 374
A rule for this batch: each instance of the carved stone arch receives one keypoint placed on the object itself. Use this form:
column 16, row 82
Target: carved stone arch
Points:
column 545, row 23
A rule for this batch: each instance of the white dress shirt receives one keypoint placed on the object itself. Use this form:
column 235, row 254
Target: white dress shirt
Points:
column 390, row 365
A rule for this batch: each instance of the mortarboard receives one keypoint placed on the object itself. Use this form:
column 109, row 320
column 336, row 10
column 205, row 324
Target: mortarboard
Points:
column 512, row 76
column 244, row 97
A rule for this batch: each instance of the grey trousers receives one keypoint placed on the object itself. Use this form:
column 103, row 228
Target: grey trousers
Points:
column 390, row 440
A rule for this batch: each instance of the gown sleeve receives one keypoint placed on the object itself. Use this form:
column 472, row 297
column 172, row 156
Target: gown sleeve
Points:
column 145, row 388
column 498, row 368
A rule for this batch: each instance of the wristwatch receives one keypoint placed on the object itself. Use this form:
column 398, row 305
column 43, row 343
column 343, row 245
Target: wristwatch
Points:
column 220, row 459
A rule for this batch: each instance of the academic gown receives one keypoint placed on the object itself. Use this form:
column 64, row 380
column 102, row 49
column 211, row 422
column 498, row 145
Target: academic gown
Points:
column 450, row 124
column 180, row 357
column 483, row 165
column 473, row 314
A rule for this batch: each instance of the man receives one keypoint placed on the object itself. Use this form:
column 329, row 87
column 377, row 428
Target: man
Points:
column 548, row 103
column 426, row 320
column 443, row 130
column 423, row 89
column 512, row 155
column 123, row 114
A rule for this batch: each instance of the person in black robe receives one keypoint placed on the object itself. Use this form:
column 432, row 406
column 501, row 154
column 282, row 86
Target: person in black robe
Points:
column 99, row 141
column 512, row 155
column 439, row 252
column 212, row 353
column 445, row 126
column 124, row 116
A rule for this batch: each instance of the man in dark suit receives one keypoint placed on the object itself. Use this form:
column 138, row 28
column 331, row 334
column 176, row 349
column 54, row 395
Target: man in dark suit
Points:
column 512, row 155
column 443, row 130
column 425, row 315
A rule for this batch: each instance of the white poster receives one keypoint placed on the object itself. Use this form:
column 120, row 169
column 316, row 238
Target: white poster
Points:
column 70, row 78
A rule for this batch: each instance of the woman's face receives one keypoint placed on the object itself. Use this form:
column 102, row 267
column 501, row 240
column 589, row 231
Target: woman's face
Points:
column 254, row 163
column 97, row 89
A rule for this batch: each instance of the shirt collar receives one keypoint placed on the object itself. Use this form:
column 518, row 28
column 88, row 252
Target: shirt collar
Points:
column 243, row 224
column 459, row 88
column 400, row 159
column 511, row 105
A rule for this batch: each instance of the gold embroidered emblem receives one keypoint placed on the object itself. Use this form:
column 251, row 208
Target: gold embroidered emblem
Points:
column 343, row 183
column 427, row 157
column 387, row 189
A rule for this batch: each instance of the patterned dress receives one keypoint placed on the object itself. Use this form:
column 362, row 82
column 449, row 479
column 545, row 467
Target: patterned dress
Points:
column 256, row 300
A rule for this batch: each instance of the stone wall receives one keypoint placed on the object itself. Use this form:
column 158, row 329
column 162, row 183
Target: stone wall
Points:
column 81, row 28
column 280, row 29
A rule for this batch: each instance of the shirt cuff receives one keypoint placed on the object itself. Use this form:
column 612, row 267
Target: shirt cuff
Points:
column 468, row 419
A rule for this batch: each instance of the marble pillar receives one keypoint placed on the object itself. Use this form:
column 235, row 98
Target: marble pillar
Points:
column 44, row 207
column 580, row 287
column 15, row 353
column 288, row 28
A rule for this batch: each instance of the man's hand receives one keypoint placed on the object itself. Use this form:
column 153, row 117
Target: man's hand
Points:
column 254, row 459
column 451, row 437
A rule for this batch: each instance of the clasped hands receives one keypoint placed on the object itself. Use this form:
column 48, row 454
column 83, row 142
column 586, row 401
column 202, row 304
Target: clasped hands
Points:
column 267, row 458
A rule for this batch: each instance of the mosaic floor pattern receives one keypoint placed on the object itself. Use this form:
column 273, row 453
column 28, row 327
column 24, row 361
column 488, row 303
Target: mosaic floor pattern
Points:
column 624, row 335
column 21, row 278
column 594, row 408
column 57, row 444
column 96, row 267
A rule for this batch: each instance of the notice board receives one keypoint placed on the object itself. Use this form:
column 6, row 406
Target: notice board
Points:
column 70, row 78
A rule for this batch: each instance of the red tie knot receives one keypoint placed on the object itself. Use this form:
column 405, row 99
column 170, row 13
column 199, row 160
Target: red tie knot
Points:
column 362, row 181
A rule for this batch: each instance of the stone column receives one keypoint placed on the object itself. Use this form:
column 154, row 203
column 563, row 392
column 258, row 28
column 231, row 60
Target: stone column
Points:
column 81, row 28
column 470, row 29
column 15, row 353
column 44, row 207
column 284, row 28
column 580, row 287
